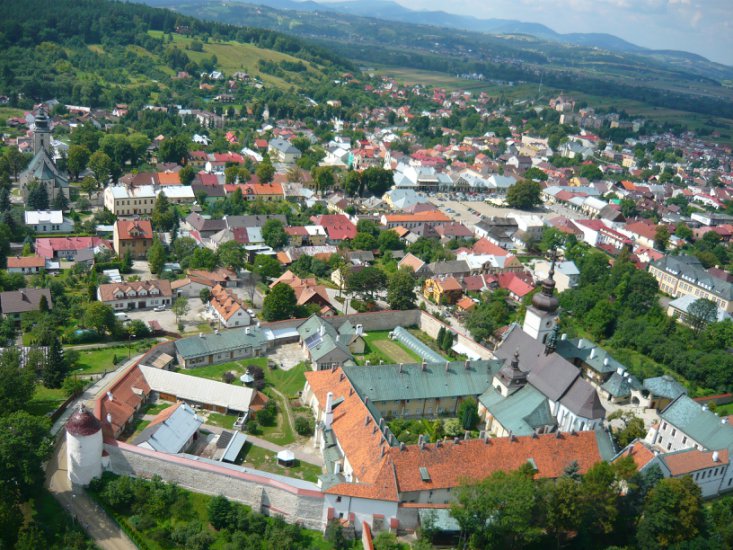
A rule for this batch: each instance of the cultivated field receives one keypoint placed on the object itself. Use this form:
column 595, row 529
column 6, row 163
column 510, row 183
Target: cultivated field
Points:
column 394, row 351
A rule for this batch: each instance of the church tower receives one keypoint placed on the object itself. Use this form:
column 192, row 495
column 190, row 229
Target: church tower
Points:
column 42, row 133
column 541, row 317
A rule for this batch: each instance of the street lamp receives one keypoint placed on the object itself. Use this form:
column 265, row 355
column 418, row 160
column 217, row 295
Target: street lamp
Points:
column 129, row 345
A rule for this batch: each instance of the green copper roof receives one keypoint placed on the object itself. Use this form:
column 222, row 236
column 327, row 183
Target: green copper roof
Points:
column 387, row 383
column 225, row 340
column 664, row 386
column 521, row 412
column 699, row 423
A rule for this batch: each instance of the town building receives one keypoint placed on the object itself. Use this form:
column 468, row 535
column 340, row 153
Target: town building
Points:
column 42, row 169
column 221, row 346
column 136, row 294
column 48, row 221
column 13, row 303
column 685, row 276
column 228, row 308
column 134, row 237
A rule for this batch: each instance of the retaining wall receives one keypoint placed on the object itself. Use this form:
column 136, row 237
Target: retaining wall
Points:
column 266, row 495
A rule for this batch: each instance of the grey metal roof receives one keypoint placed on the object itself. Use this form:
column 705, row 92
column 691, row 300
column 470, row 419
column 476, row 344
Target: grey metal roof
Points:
column 691, row 270
column 699, row 423
column 620, row 385
column 225, row 340
column 234, row 447
column 411, row 341
column 521, row 412
column 590, row 353
column 582, row 399
column 664, row 386
column 172, row 434
column 387, row 383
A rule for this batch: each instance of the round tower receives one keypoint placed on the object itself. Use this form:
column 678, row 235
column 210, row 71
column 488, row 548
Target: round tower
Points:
column 83, row 446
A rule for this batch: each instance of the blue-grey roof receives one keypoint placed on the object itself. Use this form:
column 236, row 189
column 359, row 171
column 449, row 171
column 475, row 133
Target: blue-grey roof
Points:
column 225, row 340
column 589, row 353
column 522, row 412
column 620, row 385
column 664, row 386
column 698, row 423
column 322, row 339
column 234, row 447
column 172, row 434
column 691, row 270
column 387, row 383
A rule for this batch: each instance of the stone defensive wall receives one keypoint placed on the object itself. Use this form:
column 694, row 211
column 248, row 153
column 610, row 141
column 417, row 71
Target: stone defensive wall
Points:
column 297, row 501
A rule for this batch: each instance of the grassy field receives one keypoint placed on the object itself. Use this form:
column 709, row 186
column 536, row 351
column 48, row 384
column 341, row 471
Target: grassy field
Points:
column 288, row 382
column 215, row 372
column 235, row 56
column 262, row 459
column 380, row 348
column 46, row 400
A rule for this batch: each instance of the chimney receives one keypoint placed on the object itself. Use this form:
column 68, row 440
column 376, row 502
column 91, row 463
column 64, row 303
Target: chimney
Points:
column 558, row 435
column 456, row 440
column 466, row 435
column 401, row 365
column 381, row 422
column 704, row 407
column 439, row 443
column 447, row 366
column 593, row 353
column 421, row 440
column 333, row 368
column 390, row 439
column 606, row 361
column 109, row 418
column 381, row 362
column 716, row 456
column 359, row 330
column 724, row 420
column 367, row 363
column 423, row 365
column 109, row 396
column 329, row 410
column 482, row 434
column 620, row 371
column 402, row 445
column 467, row 364
column 564, row 336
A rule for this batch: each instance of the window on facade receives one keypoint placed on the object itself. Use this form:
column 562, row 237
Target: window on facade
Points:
column 669, row 446
column 664, row 425
column 338, row 499
column 684, row 440
column 674, row 432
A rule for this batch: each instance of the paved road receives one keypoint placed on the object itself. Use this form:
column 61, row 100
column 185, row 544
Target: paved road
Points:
column 102, row 529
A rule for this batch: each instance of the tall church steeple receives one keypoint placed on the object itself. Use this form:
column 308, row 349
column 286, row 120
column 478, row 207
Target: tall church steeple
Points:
column 42, row 133
column 541, row 317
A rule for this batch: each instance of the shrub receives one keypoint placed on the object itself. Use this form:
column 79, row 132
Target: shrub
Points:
column 304, row 425
column 228, row 377
column 266, row 417
column 220, row 511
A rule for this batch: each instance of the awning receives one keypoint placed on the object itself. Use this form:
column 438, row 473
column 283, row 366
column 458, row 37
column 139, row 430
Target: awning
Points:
column 460, row 349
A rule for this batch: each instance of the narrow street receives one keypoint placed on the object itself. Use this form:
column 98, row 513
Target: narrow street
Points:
column 102, row 529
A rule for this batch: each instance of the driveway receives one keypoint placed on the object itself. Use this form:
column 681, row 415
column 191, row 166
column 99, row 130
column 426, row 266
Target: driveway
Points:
column 167, row 318
column 287, row 356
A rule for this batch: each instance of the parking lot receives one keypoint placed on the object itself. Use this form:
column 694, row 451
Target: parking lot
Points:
column 167, row 318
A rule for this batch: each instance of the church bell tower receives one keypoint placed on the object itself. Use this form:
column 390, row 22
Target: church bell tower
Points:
column 541, row 317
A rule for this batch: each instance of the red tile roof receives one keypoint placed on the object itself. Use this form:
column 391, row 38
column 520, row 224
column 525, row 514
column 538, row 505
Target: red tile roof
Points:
column 485, row 246
column 693, row 460
column 514, row 284
column 134, row 229
column 26, row 262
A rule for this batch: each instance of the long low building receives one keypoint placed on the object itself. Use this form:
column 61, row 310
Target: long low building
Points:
column 136, row 294
column 222, row 346
column 209, row 394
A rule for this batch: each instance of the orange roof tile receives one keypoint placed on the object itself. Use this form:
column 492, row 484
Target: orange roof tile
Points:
column 640, row 454
column 19, row 262
column 693, row 460
column 134, row 229
column 427, row 216
column 169, row 178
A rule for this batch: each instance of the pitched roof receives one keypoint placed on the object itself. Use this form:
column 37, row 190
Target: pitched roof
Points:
column 225, row 340
column 107, row 291
column 433, row 216
column 485, row 246
column 639, row 452
column 225, row 302
column 19, row 262
column 410, row 260
column 134, row 229
column 23, row 300
column 474, row 459
column 689, row 461
column 699, row 423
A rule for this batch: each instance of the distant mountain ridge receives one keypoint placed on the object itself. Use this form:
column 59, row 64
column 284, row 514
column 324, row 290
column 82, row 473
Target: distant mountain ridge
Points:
column 386, row 9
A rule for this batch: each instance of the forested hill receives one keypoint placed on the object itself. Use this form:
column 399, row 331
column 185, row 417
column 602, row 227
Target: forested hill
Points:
column 96, row 52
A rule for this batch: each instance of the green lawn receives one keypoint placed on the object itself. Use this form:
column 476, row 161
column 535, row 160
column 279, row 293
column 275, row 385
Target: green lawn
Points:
column 380, row 348
column 222, row 420
column 92, row 361
column 215, row 372
column 46, row 400
column 262, row 459
column 288, row 382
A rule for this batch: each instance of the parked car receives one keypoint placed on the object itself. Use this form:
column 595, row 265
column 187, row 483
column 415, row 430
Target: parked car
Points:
column 159, row 308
